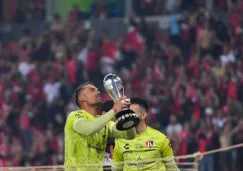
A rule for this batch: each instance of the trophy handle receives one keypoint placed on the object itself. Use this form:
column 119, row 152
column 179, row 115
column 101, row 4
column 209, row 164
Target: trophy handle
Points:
column 121, row 91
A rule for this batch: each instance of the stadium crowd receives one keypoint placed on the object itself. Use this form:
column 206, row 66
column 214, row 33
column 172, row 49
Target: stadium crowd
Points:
column 26, row 11
column 191, row 77
column 158, row 7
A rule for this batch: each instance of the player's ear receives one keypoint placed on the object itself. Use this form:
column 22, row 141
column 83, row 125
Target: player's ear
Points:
column 144, row 115
column 82, row 98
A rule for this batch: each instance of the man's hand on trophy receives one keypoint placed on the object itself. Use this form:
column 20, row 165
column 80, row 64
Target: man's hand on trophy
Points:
column 121, row 104
column 126, row 100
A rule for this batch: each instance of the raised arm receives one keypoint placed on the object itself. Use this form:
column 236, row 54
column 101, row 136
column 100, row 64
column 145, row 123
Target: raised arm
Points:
column 128, row 134
column 85, row 127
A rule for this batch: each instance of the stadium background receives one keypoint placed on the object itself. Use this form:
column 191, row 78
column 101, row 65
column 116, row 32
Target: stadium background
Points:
column 183, row 56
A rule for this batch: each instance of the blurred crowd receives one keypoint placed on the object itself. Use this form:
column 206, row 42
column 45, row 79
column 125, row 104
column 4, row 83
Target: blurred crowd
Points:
column 27, row 10
column 158, row 7
column 191, row 75
column 24, row 11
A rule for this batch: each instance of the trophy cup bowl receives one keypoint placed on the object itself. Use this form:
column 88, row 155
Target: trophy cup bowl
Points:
column 126, row 118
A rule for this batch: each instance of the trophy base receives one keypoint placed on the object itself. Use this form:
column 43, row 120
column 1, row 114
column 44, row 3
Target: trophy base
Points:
column 126, row 119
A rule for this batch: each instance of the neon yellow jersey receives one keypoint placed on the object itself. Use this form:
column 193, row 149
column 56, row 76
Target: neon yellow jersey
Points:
column 82, row 149
column 150, row 144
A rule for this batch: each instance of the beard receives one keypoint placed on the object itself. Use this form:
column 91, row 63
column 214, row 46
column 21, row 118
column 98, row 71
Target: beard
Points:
column 98, row 104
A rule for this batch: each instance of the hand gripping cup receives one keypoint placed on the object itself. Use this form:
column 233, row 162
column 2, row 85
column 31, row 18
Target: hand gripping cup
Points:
column 126, row 118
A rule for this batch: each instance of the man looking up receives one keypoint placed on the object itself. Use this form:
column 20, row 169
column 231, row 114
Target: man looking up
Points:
column 86, row 133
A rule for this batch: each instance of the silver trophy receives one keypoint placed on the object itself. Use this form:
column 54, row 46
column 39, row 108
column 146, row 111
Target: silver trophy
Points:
column 126, row 118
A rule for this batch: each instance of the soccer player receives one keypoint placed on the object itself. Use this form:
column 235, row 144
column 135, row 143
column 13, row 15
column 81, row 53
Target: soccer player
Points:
column 149, row 144
column 86, row 133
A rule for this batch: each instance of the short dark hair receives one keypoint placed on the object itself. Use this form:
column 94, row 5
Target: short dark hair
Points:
column 141, row 102
column 77, row 92
column 107, row 105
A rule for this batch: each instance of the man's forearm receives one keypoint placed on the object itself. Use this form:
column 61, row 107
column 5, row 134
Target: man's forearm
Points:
column 85, row 127
column 128, row 134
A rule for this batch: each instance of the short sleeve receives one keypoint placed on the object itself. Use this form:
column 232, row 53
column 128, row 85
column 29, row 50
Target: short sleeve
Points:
column 73, row 117
column 166, row 148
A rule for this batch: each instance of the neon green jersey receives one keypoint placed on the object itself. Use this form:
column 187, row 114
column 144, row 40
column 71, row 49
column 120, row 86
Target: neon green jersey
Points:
column 150, row 144
column 82, row 149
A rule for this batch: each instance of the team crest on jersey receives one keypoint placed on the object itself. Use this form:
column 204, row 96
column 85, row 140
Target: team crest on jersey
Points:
column 149, row 143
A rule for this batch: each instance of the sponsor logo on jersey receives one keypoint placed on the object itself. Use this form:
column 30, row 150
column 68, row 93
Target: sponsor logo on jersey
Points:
column 149, row 143
column 126, row 146
column 77, row 115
